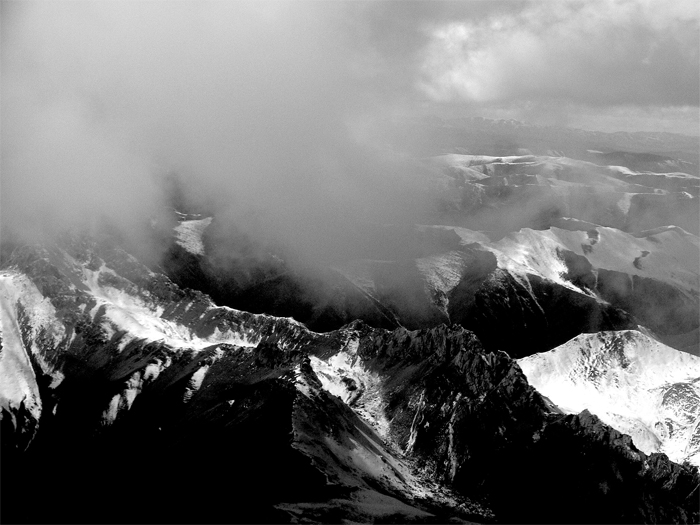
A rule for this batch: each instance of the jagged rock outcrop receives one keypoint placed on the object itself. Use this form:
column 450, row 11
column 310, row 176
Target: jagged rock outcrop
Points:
column 473, row 421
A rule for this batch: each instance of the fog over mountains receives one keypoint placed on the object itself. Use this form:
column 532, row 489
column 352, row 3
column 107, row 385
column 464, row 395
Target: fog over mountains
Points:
column 313, row 262
column 395, row 381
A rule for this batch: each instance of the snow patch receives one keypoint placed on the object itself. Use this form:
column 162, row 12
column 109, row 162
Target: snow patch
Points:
column 625, row 202
column 232, row 338
column 533, row 251
column 124, row 399
column 218, row 354
column 442, row 273
column 188, row 235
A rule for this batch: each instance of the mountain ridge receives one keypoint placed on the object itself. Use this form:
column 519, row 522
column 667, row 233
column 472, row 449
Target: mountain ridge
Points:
column 430, row 386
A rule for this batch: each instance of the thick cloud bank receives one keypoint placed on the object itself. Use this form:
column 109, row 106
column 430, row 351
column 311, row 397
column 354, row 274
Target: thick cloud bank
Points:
column 255, row 106
column 266, row 111
column 599, row 52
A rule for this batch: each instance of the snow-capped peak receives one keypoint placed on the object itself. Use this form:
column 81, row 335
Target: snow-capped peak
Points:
column 632, row 382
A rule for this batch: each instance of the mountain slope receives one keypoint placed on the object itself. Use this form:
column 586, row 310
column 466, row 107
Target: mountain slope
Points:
column 148, row 390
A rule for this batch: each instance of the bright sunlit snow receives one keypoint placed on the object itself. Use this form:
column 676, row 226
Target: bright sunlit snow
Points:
column 142, row 320
column 633, row 383
column 17, row 377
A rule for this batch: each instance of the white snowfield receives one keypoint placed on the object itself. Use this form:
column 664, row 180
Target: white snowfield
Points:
column 634, row 383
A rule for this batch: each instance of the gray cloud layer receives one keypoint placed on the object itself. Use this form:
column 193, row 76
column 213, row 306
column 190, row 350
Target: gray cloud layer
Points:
column 248, row 102
column 598, row 52
column 266, row 109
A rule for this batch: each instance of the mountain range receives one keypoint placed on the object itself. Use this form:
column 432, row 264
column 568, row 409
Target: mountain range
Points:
column 530, row 354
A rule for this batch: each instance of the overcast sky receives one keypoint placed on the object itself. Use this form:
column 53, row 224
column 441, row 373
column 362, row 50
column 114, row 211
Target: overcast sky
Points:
column 266, row 104
column 632, row 63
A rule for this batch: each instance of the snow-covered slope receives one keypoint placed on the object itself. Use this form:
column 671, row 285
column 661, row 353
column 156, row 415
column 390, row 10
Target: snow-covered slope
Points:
column 141, row 316
column 28, row 320
column 653, row 276
column 17, row 378
column 632, row 382
column 668, row 254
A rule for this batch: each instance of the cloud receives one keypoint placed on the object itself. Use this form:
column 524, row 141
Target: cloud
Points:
column 270, row 112
column 599, row 53
column 255, row 106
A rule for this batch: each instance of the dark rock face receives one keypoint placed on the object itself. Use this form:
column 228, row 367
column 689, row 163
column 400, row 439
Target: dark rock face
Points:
column 524, row 318
column 322, row 299
column 165, row 461
column 657, row 305
column 612, row 475
column 461, row 399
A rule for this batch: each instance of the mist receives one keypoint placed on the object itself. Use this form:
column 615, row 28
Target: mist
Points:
column 270, row 114
column 601, row 52
column 260, row 110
